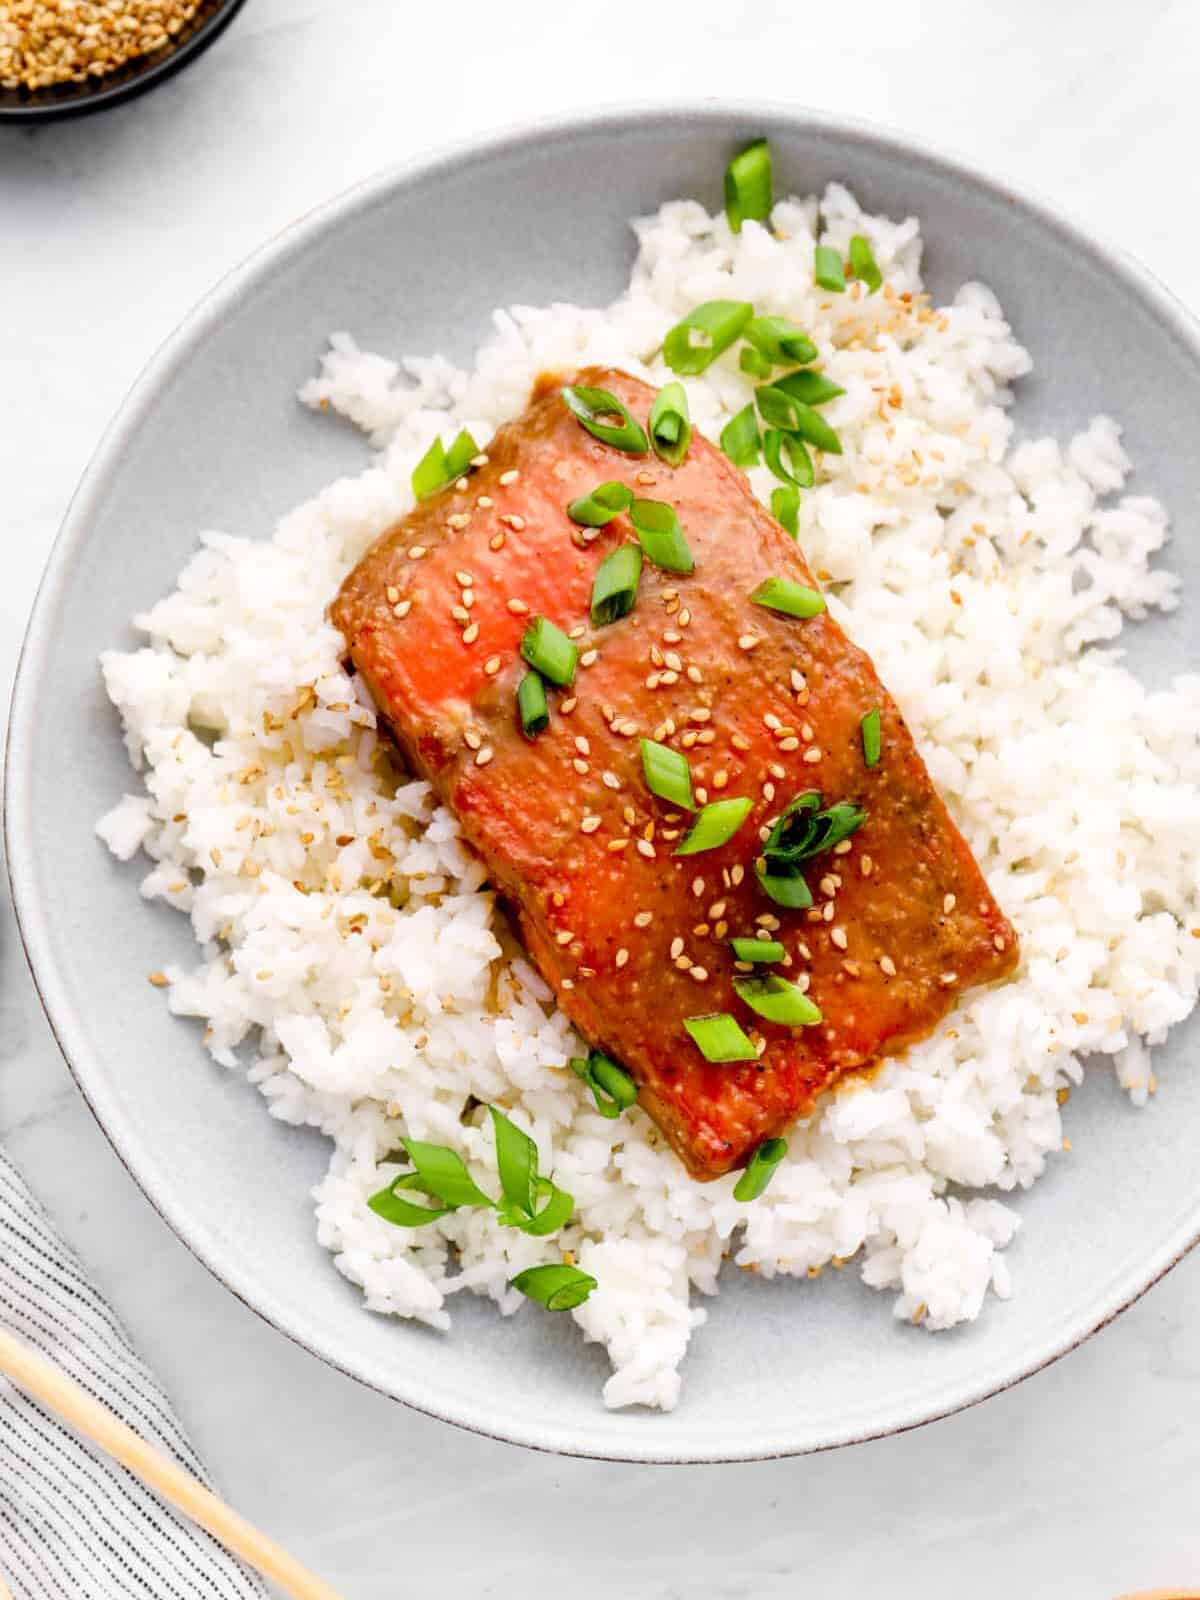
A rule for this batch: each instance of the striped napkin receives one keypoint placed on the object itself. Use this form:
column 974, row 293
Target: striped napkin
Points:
column 73, row 1524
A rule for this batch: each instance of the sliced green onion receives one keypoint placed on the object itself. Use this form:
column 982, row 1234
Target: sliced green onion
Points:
column 548, row 650
column 813, row 388
column 516, row 1161
column 785, row 507
column 802, row 830
column 439, row 466
column 792, row 599
column 719, row 1037
column 780, row 341
column 828, row 270
column 864, row 264
column 606, row 501
column 778, row 1000
column 779, row 409
column 615, row 586
column 531, row 705
column 758, row 949
column 558, row 1288
column 440, row 1173
column 797, row 469
column 555, row 1214
column 760, row 1169
column 715, row 825
column 739, row 438
column 787, row 890
column 753, row 363
column 386, row 1203
column 872, row 737
column 612, row 1088
column 748, row 185
column 590, row 406
column 670, row 424
column 657, row 526
column 668, row 774
column 695, row 343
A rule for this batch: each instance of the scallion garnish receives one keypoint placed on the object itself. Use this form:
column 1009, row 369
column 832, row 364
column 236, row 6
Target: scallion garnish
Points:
column 797, row 468
column 786, row 889
column 439, row 466
column 778, row 1000
column 668, row 774
column 739, row 438
column 785, row 507
column 615, row 586
column 757, row 949
column 558, row 1288
column 606, row 501
column 612, row 1087
column 715, row 826
column 779, row 409
column 670, row 424
column 813, row 388
column 753, row 363
column 522, row 1187
column 760, row 1169
column 548, row 650
column 440, row 1173
column 780, row 341
column 802, row 830
column 532, row 706
column 719, row 1037
column 695, row 343
column 864, row 264
column 792, row 599
column 591, row 406
column 872, row 737
column 748, row 185
column 828, row 269
column 657, row 526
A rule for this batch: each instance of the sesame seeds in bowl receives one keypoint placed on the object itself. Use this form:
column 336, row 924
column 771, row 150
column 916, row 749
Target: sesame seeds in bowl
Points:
column 57, row 61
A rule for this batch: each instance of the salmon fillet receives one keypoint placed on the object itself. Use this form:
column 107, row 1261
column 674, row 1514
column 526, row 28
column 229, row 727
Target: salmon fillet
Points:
column 633, row 938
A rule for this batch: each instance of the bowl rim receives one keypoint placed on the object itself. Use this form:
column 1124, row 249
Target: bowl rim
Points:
column 130, row 79
column 738, row 118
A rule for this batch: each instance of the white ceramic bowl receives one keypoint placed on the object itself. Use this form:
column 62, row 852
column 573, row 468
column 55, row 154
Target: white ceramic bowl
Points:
column 212, row 437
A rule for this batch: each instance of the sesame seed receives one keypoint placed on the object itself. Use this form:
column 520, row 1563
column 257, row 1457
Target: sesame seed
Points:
column 468, row 598
column 700, row 714
column 471, row 633
column 644, row 477
column 485, row 502
column 484, row 756
column 748, row 641
column 947, row 978
column 999, row 943
column 577, row 632
column 517, row 607
column 481, row 460
column 771, row 721
column 798, row 681
column 827, row 913
column 392, row 593
column 589, row 658
column 887, row 966
column 158, row 979
column 676, row 948
column 629, row 815
column 645, row 848
column 806, row 732
column 458, row 519
column 582, row 745
column 622, row 957
column 777, row 770
column 589, row 824
column 828, row 886
column 643, row 919
column 652, row 680
column 496, row 542
column 616, row 844
column 461, row 615
column 508, row 477
column 694, row 675
column 668, row 677
column 736, row 874
column 811, row 756
column 471, row 739
column 510, row 519
column 684, row 617
column 843, row 847
column 416, row 552
column 701, row 795
column 716, row 911
column 700, row 974
column 492, row 666
column 838, row 937
column 720, row 778
column 673, row 661
column 581, row 767
column 793, row 744
column 402, row 610
column 948, row 904
column 568, row 705
column 866, row 866
column 627, row 730
column 739, row 741
column 688, row 738
column 610, row 780
column 563, row 936
column 464, row 580
column 698, row 887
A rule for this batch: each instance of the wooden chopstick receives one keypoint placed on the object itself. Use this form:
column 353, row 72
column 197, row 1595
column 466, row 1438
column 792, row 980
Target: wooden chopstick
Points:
column 45, row 1382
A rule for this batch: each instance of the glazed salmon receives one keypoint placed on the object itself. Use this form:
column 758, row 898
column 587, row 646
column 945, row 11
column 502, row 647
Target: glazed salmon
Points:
column 633, row 937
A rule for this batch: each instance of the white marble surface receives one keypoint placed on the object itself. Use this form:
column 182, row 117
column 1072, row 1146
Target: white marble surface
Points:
column 1081, row 1482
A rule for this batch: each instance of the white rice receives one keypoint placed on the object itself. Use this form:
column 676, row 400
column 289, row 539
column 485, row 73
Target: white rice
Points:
column 982, row 574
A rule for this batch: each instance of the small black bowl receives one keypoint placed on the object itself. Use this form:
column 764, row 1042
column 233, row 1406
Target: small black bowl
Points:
column 135, row 77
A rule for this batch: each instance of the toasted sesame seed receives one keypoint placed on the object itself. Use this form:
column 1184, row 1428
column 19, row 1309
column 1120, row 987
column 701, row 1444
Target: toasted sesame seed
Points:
column 700, row 974
column 645, row 848
column 416, row 551
column 688, row 738
column 582, row 745
column 748, row 641
column 568, row 705
column 768, row 792
column 616, row 844
column 627, row 730
column 577, row 632
column 610, row 779
column 736, row 874
column 828, row 886
column 481, row 460
column 866, row 866
column 402, row 610
column 843, row 847
column 812, row 756
column 999, row 943
column 777, row 770
column 739, row 741
column 510, row 519
column 643, row 919
column 771, row 721
column 676, row 947
column 622, row 957
column 629, row 815
column 484, row 756
column 468, row 598
column 508, row 477
column 887, row 966
column 798, row 681
column 517, row 607
column 717, row 910
column 563, row 936
column 471, row 739
column 589, row 658
column 701, row 795
column 581, row 767
column 838, row 937
column 645, row 477
column 485, row 502
column 673, row 661
column 700, row 714
column 589, row 824
column 458, row 519
column 471, row 633
column 668, row 677
column 158, row 979
column 684, row 617
column 793, row 744
column 698, row 887
column 464, row 580
column 948, row 903
column 947, row 978
column 393, row 594
column 461, row 615
column 492, row 666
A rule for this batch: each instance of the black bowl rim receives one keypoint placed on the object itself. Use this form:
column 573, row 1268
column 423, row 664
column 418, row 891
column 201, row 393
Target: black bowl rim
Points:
column 134, row 80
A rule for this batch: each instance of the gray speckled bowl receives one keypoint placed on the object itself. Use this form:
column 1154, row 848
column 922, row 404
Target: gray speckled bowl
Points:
column 212, row 436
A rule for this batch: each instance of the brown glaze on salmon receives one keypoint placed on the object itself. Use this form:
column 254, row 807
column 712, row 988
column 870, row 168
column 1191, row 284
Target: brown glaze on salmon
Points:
column 632, row 938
